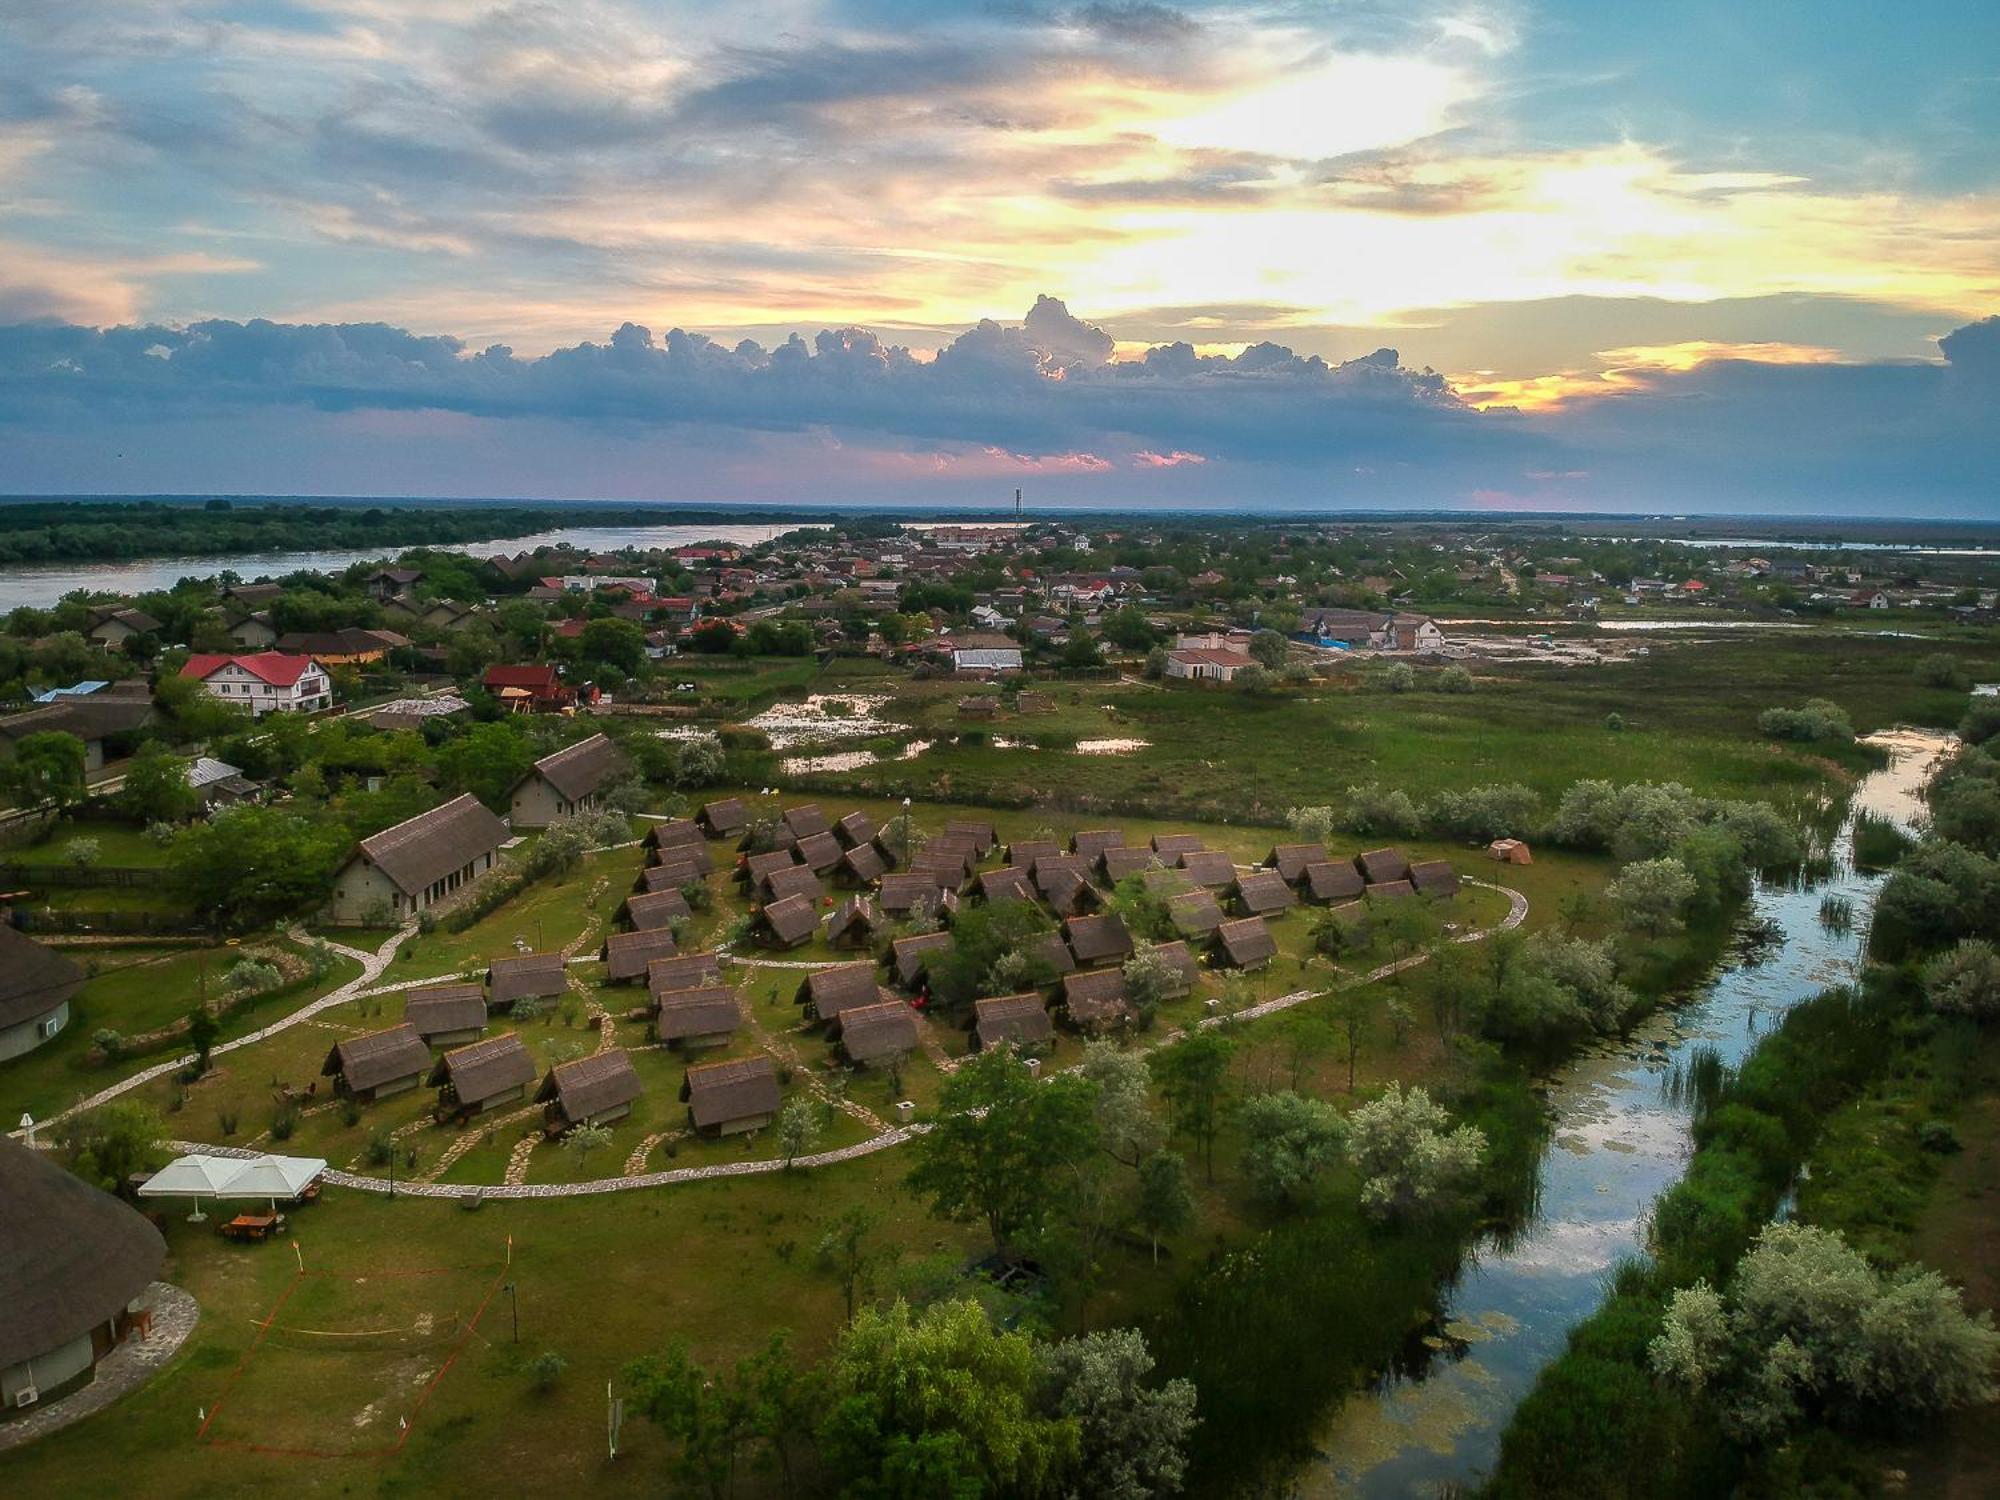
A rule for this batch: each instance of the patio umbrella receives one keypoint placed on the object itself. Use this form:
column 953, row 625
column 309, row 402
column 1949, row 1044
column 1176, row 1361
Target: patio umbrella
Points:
column 196, row 1176
column 274, row 1177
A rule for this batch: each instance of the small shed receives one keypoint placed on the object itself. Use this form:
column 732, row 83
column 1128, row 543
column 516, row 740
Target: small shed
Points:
column 1246, row 943
column 855, row 829
column 902, row 894
column 655, row 909
column 626, row 954
column 951, row 847
column 1391, row 890
column 1435, row 878
column 1008, row 883
column 447, row 1015
column 1334, row 881
column 1092, row 843
column 1511, row 852
column 530, row 976
column 863, row 864
column 1095, row 999
column 825, row 993
column 1166, row 884
column 483, row 1077
column 788, row 881
column 595, row 1090
column 381, row 1063
column 1381, row 865
column 1291, row 860
column 723, row 819
column 1264, row 893
column 1050, row 953
column 688, row 971
column 669, row 877
column 1069, row 894
column 1196, row 914
column 911, row 956
column 1099, row 939
column 878, row 1035
column 757, row 867
column 1024, row 852
column 1122, row 863
column 804, row 821
column 854, row 923
column 790, row 922
column 732, row 1096
column 981, row 833
column 1209, row 867
column 690, row 861
column 1171, row 844
column 697, row 1018
column 1020, row 1019
column 820, row 851
column 675, row 833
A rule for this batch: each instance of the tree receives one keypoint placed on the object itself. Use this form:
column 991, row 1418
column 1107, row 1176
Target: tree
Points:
column 1127, row 1129
column 1290, row 1141
column 1268, row 647
column 1133, row 1436
column 486, row 760
column 1144, row 912
column 107, row 1145
column 1313, row 825
column 1411, row 1160
column 1254, row 680
column 249, row 864
column 1348, row 1011
column 82, row 853
column 703, row 1420
column 156, row 786
column 940, row 1403
column 1965, row 980
column 202, row 1030
column 1652, row 894
column 1399, row 677
column 618, row 643
column 47, row 770
column 1816, row 719
column 981, row 937
column 1194, row 1077
column 844, row 1252
column 1166, row 1201
column 584, row 1139
column 1000, row 1140
column 798, row 1129
column 1809, row 1331
column 1150, row 980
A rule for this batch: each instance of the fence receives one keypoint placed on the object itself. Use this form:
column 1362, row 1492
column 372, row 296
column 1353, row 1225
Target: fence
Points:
column 35, row 876
column 112, row 923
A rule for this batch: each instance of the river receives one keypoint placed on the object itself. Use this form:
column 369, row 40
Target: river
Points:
column 1620, row 1138
column 43, row 586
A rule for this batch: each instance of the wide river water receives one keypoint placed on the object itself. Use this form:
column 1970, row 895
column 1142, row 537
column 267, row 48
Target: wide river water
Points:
column 1620, row 1138
column 46, row 585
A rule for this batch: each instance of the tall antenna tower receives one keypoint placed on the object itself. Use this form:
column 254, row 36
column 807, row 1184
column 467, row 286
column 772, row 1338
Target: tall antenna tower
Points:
column 1017, row 505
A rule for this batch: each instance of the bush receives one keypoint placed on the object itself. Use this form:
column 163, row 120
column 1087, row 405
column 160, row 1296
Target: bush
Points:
column 1483, row 813
column 1965, row 981
column 1454, row 680
column 1399, row 677
column 1981, row 722
column 1815, row 720
column 1941, row 670
column 249, row 975
column 1377, row 811
column 545, row 1370
column 284, row 1122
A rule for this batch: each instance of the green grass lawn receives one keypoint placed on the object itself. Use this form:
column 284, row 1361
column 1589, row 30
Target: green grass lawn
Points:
column 119, row 845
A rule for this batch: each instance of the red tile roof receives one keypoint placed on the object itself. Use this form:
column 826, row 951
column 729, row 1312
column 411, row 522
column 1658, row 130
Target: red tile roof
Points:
column 278, row 668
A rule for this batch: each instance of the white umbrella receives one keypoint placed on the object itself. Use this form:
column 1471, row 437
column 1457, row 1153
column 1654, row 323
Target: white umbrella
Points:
column 196, row 1176
column 274, row 1177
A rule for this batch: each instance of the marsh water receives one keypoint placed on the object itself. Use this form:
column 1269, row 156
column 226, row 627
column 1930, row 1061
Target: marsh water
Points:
column 1619, row 1138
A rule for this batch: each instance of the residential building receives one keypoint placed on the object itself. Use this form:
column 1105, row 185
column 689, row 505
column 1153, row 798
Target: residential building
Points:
column 264, row 681
column 402, row 870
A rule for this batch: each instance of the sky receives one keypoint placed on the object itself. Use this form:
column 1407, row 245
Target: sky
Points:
column 1691, row 255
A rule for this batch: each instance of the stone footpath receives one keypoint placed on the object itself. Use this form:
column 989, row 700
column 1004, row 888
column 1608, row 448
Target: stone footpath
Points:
column 128, row 1366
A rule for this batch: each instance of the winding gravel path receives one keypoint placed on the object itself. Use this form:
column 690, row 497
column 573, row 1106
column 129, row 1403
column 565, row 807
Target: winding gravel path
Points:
column 883, row 1140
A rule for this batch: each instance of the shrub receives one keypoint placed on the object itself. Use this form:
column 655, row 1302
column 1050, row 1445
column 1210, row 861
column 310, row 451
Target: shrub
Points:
column 1482, row 813
column 249, row 975
column 380, row 1149
column 1615, row 722
column 1965, row 981
column 1399, row 677
column 284, row 1122
column 1981, row 722
column 1815, row 720
column 1377, row 811
column 1941, row 670
column 1454, row 680
column 545, row 1370
column 83, row 853
column 1652, row 895
column 109, row 1042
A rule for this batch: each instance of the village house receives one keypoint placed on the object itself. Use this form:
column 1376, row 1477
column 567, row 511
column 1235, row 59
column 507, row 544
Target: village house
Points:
column 655, row 909
column 694, row 1019
column 115, row 627
column 1022, row 1020
column 525, row 976
column 36, row 987
column 378, row 1063
column 483, row 1077
column 825, row 993
column 853, row 924
column 627, row 954
column 417, row 863
column 596, row 1090
column 76, row 1264
column 529, row 689
column 877, row 1035
column 1334, row 881
column 447, row 1015
column 1263, row 893
column 351, row 646
column 733, row 1096
column 1095, row 999
column 1207, row 663
column 790, row 922
column 564, row 783
column 725, row 818
column 107, row 721
column 263, row 682
column 686, row 971
column 1247, row 943
column 910, row 957
column 1098, row 939
column 1196, row 914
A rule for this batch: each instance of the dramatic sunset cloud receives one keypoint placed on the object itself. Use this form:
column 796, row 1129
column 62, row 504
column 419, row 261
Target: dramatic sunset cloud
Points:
column 1590, row 219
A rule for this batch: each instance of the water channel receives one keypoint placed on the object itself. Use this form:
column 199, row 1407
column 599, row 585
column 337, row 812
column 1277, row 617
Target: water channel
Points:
column 1620, row 1138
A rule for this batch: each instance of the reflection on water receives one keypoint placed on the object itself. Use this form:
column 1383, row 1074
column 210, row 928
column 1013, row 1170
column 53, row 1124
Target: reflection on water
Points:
column 1619, row 1139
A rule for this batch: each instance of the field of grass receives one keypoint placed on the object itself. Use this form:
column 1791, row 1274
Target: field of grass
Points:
column 119, row 845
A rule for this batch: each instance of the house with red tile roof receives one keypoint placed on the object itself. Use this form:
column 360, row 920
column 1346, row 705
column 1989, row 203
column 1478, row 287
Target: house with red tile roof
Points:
column 263, row 681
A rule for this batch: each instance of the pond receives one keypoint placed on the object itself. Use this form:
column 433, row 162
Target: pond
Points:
column 1619, row 1138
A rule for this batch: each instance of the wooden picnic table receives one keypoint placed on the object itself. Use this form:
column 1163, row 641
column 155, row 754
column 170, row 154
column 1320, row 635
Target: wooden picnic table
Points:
column 256, row 1227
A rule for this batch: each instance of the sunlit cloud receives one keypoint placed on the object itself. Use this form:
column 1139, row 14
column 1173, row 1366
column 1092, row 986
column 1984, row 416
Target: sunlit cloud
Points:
column 1627, row 370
